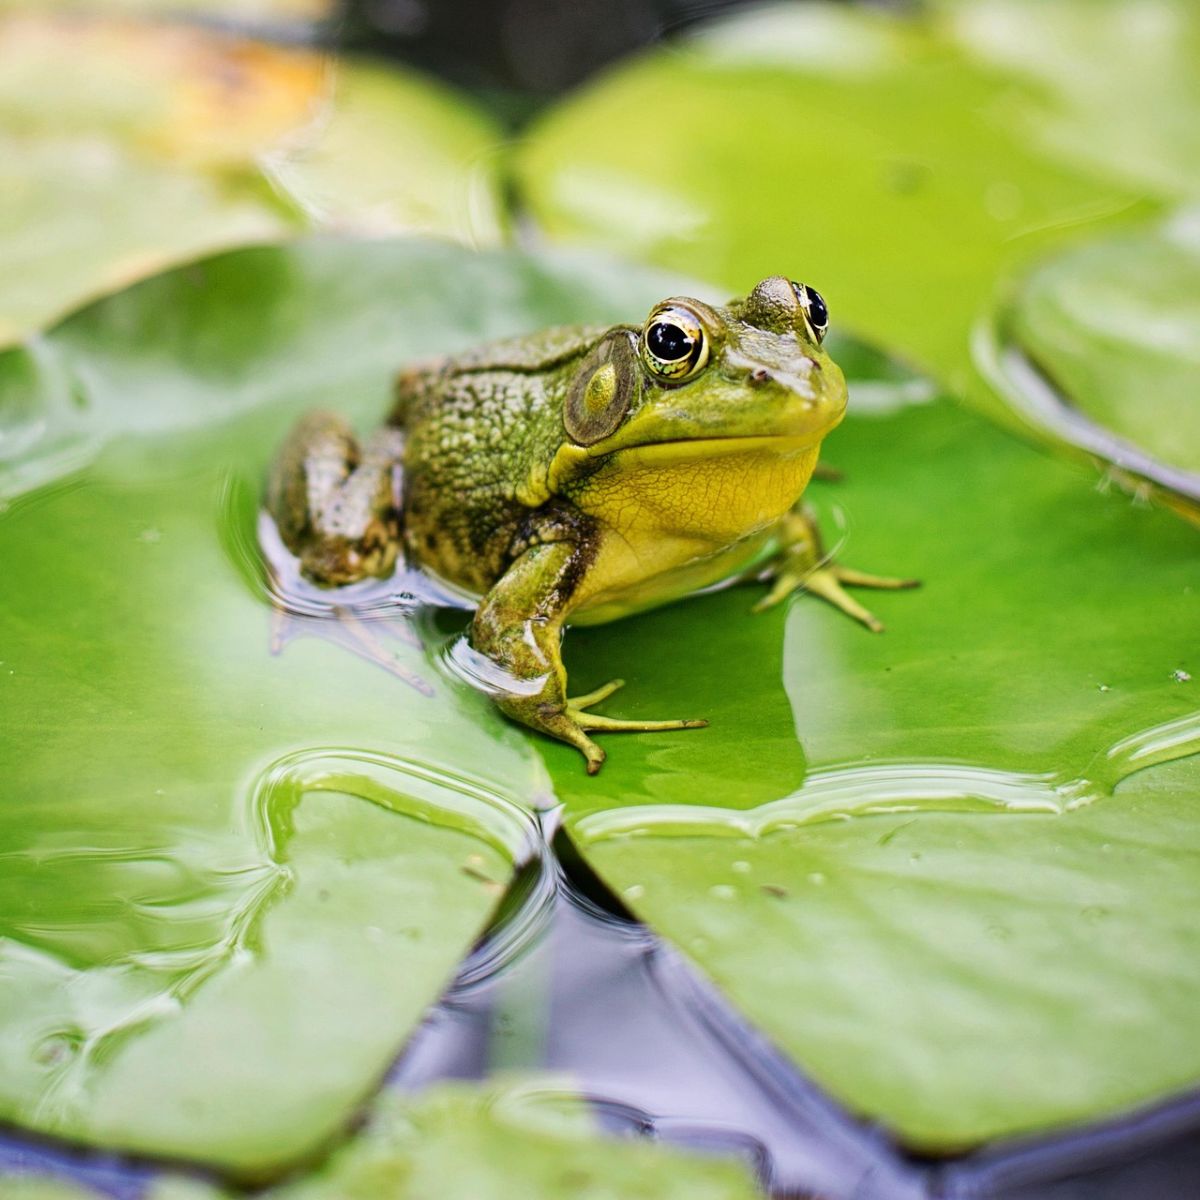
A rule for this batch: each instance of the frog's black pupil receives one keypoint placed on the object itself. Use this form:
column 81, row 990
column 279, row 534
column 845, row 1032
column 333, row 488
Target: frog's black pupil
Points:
column 818, row 314
column 667, row 342
column 813, row 305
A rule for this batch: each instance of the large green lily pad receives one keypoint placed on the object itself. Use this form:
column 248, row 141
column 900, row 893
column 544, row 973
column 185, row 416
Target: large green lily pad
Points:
column 901, row 163
column 125, row 147
column 233, row 878
column 950, row 923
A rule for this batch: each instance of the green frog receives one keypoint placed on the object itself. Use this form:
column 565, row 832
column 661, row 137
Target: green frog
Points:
column 582, row 474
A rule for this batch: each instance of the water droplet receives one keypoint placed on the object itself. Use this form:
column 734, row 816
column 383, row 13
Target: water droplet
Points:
column 842, row 794
column 742, row 867
column 1105, row 688
column 816, row 878
column 635, row 891
column 1181, row 676
column 722, row 891
column 58, row 1048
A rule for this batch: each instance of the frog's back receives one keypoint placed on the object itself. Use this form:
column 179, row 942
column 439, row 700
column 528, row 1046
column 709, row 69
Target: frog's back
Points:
column 474, row 425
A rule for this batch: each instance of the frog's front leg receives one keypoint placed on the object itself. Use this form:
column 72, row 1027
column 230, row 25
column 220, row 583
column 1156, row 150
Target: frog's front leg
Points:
column 335, row 503
column 518, row 628
column 802, row 562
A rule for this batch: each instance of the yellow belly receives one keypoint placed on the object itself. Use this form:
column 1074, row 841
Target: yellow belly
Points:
column 679, row 517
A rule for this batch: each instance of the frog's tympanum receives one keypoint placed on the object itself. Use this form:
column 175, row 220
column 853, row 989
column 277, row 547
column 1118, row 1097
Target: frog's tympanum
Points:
column 583, row 474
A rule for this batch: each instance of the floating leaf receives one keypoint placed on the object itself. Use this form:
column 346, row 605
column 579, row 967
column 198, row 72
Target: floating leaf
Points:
column 125, row 147
column 1022, row 682
column 900, row 164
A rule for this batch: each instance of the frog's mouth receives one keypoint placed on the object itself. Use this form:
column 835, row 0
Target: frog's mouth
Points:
column 635, row 447
column 679, row 449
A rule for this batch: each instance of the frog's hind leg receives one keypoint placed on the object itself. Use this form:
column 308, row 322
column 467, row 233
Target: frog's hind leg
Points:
column 335, row 503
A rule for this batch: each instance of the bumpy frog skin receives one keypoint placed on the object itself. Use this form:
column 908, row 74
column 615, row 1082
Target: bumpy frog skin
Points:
column 580, row 475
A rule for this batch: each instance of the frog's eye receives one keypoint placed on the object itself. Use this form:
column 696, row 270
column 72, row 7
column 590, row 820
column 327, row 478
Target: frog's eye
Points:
column 674, row 344
column 814, row 309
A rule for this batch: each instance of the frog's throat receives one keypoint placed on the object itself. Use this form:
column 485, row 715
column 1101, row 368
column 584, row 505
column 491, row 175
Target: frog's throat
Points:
column 570, row 461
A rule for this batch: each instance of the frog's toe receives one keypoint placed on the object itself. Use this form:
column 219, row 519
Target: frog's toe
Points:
column 830, row 581
column 826, row 582
column 588, row 699
column 783, row 586
column 595, row 723
column 853, row 578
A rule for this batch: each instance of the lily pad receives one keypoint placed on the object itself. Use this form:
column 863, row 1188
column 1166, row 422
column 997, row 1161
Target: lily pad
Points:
column 900, row 163
column 125, row 147
column 947, row 924
column 38, row 1188
column 1085, row 60
column 518, row 1142
column 1101, row 347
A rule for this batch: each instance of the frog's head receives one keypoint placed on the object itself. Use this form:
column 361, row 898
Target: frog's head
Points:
column 696, row 383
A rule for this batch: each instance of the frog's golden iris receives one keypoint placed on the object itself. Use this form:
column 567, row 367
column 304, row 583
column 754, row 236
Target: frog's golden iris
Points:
column 674, row 343
column 582, row 474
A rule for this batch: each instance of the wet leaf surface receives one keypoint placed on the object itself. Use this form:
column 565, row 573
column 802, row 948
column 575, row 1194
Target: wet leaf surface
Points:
column 949, row 923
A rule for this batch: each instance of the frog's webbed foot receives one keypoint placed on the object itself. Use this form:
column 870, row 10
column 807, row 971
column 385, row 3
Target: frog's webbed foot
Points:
column 804, row 565
column 573, row 722
column 577, row 707
column 336, row 503
column 518, row 629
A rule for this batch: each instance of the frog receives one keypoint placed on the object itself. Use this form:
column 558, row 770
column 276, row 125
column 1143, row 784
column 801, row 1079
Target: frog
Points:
column 582, row 475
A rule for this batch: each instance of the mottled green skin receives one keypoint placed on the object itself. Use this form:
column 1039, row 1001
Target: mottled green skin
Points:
column 477, row 427
column 577, row 475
